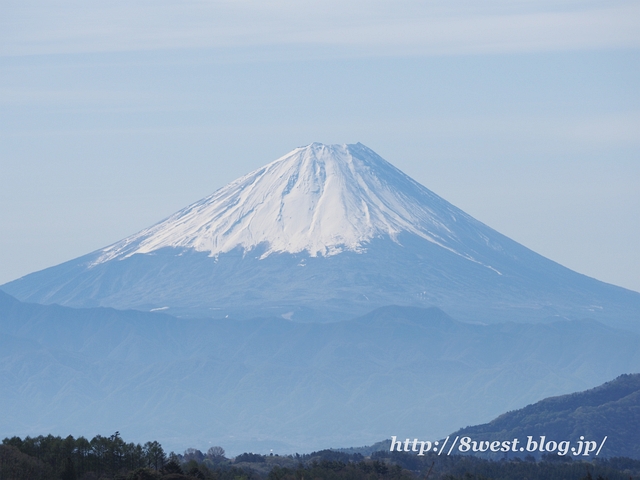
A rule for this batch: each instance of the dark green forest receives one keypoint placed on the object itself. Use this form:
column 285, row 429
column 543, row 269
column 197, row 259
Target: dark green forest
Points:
column 611, row 409
column 111, row 458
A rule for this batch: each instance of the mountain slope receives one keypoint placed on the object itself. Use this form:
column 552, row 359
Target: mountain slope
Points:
column 320, row 199
column 272, row 383
column 327, row 232
column 611, row 409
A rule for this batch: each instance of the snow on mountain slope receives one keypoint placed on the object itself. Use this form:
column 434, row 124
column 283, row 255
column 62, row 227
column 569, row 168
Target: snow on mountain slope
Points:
column 322, row 199
column 365, row 234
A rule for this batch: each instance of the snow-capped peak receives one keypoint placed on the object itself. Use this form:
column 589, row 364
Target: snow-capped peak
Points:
column 322, row 199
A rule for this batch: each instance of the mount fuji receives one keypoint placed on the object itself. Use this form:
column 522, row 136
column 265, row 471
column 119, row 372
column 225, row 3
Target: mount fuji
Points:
column 327, row 232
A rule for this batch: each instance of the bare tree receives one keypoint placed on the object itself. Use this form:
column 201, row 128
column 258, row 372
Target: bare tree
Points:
column 194, row 454
column 216, row 454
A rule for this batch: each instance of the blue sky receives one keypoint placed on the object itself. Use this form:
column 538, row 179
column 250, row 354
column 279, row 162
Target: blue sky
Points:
column 525, row 114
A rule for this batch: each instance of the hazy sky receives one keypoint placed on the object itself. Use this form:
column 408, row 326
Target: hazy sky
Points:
column 525, row 114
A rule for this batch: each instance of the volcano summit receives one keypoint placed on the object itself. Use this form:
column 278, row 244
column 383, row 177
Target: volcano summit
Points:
column 326, row 232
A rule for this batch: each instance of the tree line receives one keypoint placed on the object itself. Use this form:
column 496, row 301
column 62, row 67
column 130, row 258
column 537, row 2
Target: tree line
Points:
column 111, row 458
column 72, row 458
column 101, row 457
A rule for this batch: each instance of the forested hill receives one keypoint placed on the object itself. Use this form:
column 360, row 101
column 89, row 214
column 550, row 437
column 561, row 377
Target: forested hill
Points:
column 612, row 409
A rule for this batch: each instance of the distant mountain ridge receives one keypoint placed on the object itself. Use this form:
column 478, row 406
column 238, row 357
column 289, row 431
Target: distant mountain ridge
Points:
column 272, row 383
column 327, row 232
column 611, row 410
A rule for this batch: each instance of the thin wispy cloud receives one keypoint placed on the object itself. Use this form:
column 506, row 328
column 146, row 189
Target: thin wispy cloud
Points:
column 369, row 28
